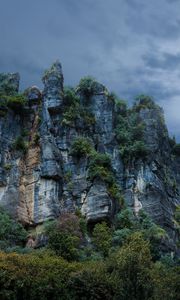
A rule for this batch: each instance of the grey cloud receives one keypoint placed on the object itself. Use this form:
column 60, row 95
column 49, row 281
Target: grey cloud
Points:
column 164, row 61
column 129, row 45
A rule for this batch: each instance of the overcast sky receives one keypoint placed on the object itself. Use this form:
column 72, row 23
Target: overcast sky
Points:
column 132, row 46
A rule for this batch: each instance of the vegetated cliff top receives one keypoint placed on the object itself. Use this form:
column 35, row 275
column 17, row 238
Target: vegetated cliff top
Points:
column 83, row 148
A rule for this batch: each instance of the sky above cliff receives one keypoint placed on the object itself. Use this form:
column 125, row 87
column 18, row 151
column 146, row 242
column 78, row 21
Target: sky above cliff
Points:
column 131, row 46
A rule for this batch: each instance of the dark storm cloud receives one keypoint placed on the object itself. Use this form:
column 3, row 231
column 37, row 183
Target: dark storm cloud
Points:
column 132, row 46
column 165, row 61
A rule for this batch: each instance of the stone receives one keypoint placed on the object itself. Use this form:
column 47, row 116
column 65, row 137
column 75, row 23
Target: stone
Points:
column 97, row 205
column 53, row 87
column 33, row 94
column 47, row 180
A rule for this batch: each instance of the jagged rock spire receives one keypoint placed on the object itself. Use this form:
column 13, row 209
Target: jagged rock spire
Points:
column 53, row 87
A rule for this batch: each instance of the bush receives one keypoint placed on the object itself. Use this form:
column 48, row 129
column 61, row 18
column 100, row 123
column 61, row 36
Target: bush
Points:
column 124, row 219
column 20, row 145
column 74, row 111
column 15, row 102
column 11, row 232
column 7, row 167
column 64, row 236
column 130, row 267
column 130, row 136
column 36, row 139
column 91, row 282
column 165, row 282
column 87, row 86
column 102, row 238
column 139, row 149
column 81, row 147
column 100, row 167
column 143, row 101
column 176, row 149
column 121, row 107
column 34, row 276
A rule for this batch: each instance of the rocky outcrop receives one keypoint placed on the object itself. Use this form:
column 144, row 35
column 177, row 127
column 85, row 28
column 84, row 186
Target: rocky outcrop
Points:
column 40, row 178
column 53, row 87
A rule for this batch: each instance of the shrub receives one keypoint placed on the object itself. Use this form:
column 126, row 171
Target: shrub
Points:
column 143, row 101
column 74, row 111
column 130, row 267
column 172, row 141
column 91, row 282
column 16, row 102
column 34, row 276
column 11, row 232
column 64, row 236
column 81, row 147
column 87, row 86
column 7, row 167
column 130, row 136
column 36, row 139
column 124, row 219
column 102, row 238
column 121, row 107
column 70, row 96
column 20, row 144
column 176, row 149
column 165, row 282
column 100, row 167
column 139, row 149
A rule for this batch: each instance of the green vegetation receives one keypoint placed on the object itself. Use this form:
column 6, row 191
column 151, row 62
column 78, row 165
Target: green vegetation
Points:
column 80, row 147
column 15, row 102
column 36, row 139
column 87, row 86
column 176, row 149
column 20, row 144
column 65, row 235
column 102, row 238
column 118, row 262
column 7, row 167
column 129, row 133
column 11, row 233
column 143, row 101
column 177, row 223
column 100, row 168
column 74, row 113
column 126, row 224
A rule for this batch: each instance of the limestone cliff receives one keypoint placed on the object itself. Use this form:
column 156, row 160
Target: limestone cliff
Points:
column 40, row 176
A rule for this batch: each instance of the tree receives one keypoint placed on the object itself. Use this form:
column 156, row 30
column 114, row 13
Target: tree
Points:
column 12, row 233
column 64, row 236
column 102, row 238
column 130, row 267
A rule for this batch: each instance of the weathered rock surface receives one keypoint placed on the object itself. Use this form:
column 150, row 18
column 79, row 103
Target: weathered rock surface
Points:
column 41, row 182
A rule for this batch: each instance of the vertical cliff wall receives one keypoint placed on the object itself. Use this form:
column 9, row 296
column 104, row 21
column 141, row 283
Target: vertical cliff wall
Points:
column 40, row 176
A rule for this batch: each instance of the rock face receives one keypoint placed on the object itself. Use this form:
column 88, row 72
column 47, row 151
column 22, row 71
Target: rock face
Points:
column 40, row 177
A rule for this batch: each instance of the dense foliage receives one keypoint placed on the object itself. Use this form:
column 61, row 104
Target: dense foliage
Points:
column 74, row 113
column 124, row 259
column 87, row 86
column 16, row 102
column 20, row 144
column 80, row 147
column 11, row 233
column 115, row 262
column 129, row 133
